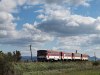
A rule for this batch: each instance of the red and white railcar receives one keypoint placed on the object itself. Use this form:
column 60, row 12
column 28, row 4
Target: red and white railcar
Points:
column 53, row 55
column 76, row 56
column 85, row 57
column 45, row 55
column 66, row 56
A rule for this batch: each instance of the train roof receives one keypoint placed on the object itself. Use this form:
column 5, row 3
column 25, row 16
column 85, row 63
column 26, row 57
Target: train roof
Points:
column 49, row 50
column 41, row 50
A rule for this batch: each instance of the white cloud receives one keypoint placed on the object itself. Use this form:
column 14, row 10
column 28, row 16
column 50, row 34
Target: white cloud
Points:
column 70, row 26
column 97, row 22
column 5, row 17
column 37, row 35
column 21, row 2
column 68, row 2
column 2, row 33
column 59, row 21
column 79, row 2
column 28, row 35
column 7, row 6
column 72, row 42
column 11, row 5
column 41, row 16
column 7, row 27
column 71, row 30
column 83, row 20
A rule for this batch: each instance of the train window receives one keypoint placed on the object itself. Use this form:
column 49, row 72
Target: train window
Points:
column 42, row 52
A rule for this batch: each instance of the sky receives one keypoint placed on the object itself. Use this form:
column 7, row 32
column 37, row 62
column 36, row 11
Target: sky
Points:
column 63, row 25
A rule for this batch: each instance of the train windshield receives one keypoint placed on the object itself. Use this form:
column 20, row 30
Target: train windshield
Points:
column 41, row 53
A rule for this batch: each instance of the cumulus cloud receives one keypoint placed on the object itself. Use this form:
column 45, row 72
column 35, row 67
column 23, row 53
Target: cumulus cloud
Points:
column 94, row 39
column 71, row 31
column 5, row 17
column 11, row 5
column 60, row 22
column 36, row 34
column 73, row 25
column 41, row 16
column 7, row 6
column 28, row 35
column 8, row 32
column 68, row 2
column 79, row 2
column 84, row 44
column 72, row 42
column 7, row 27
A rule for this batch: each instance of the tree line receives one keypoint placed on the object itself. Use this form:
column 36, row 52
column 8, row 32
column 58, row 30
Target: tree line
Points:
column 7, row 60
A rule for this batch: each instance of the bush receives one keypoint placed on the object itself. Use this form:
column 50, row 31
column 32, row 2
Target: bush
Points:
column 6, row 63
column 96, row 63
column 6, row 67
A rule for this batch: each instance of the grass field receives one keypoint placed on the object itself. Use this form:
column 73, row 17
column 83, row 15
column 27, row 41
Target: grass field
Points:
column 56, row 68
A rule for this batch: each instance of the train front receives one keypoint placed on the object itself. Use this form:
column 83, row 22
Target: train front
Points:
column 41, row 55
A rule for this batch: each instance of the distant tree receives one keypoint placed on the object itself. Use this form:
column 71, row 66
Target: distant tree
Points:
column 1, row 52
column 17, row 56
column 9, row 57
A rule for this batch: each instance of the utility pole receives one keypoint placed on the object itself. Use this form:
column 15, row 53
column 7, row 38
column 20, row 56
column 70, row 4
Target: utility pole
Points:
column 95, row 56
column 31, row 52
column 76, row 51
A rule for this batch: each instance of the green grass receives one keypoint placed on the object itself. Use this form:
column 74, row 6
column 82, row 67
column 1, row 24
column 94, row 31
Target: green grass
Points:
column 57, row 68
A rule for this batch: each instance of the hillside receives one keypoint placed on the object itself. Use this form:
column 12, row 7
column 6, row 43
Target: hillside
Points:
column 25, row 58
column 93, row 58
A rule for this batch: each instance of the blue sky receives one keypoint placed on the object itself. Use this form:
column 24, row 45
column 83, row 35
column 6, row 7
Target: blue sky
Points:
column 93, row 10
column 66, row 25
column 26, row 15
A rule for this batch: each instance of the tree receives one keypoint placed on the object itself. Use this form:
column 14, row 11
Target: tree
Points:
column 17, row 56
column 4, row 64
column 9, row 57
column 1, row 63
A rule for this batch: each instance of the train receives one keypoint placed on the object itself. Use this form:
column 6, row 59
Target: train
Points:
column 50, row 55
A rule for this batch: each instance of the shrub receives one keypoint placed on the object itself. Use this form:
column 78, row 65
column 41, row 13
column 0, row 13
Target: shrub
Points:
column 96, row 63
